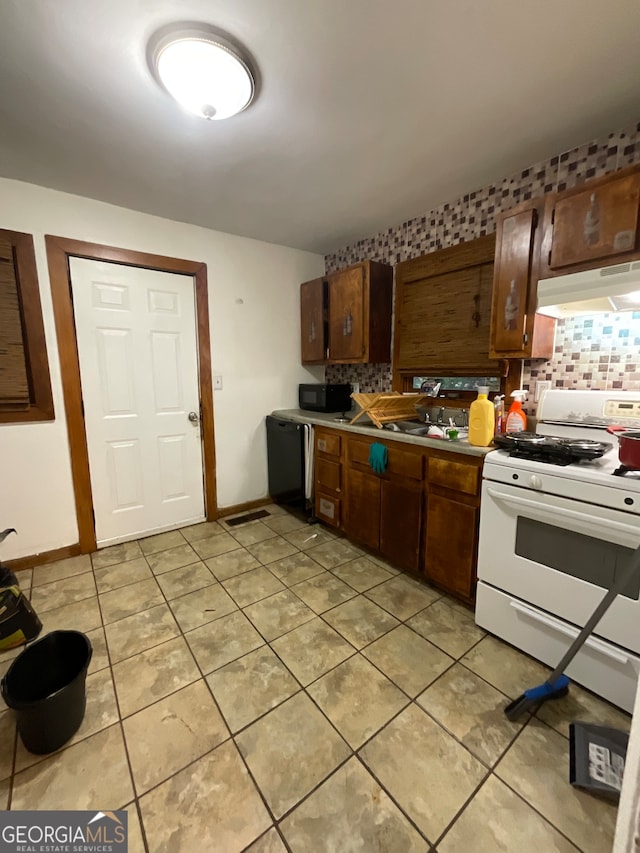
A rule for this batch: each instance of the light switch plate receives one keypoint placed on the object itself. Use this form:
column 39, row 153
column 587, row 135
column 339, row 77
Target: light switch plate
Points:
column 541, row 385
column 217, row 383
column 355, row 387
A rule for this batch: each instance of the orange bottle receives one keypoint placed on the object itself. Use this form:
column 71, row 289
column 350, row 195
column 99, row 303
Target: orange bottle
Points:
column 517, row 419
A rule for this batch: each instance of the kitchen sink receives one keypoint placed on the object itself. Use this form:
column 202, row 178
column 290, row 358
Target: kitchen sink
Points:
column 410, row 427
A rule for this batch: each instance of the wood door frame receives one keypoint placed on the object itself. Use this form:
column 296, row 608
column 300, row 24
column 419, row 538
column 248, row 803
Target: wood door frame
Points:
column 59, row 250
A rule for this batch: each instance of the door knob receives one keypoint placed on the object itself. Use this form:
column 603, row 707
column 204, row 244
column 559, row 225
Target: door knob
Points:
column 193, row 417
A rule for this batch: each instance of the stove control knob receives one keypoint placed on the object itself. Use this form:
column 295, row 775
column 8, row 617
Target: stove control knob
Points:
column 535, row 482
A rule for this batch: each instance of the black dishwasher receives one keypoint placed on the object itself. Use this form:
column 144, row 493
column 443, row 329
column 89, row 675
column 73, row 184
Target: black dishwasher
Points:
column 287, row 455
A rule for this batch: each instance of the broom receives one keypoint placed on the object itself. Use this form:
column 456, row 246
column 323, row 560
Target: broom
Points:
column 557, row 685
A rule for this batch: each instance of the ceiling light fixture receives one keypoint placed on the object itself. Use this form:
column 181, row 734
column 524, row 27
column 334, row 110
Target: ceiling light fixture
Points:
column 203, row 71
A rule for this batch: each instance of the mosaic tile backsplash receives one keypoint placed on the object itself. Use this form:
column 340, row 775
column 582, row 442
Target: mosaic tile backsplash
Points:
column 601, row 351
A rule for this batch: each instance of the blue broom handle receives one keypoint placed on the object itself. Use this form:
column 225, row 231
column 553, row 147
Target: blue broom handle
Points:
column 619, row 584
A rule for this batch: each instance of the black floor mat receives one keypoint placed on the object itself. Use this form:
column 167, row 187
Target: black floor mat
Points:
column 250, row 516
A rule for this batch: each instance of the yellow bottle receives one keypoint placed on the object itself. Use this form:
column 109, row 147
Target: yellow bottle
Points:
column 481, row 419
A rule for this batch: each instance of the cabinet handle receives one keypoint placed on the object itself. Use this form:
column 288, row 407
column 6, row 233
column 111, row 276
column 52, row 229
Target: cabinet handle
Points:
column 476, row 314
column 347, row 325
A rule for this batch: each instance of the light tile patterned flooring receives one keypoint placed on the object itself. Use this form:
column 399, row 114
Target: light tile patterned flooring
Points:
column 270, row 687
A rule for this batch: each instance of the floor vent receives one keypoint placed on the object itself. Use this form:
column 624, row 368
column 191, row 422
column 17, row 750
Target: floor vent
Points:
column 250, row 516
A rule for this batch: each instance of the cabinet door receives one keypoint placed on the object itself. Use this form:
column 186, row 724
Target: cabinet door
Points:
column 400, row 522
column 512, row 275
column 313, row 348
column 362, row 512
column 346, row 315
column 596, row 223
column 445, row 319
column 451, row 544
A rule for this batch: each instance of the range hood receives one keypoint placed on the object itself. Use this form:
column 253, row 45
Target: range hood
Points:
column 609, row 289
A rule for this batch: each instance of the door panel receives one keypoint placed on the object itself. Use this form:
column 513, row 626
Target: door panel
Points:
column 115, row 365
column 172, row 453
column 125, row 473
column 137, row 349
column 165, row 360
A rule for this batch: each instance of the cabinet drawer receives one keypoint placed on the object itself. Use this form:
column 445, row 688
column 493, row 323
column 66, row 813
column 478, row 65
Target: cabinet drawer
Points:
column 401, row 463
column 454, row 475
column 328, row 474
column 328, row 443
column 405, row 464
column 328, row 509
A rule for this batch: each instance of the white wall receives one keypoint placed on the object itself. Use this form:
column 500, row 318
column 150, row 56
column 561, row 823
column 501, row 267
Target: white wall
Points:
column 255, row 346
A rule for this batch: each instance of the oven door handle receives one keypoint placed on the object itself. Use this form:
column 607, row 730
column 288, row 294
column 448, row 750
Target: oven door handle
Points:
column 560, row 512
column 593, row 643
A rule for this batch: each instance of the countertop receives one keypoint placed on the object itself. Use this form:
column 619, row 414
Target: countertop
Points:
column 329, row 420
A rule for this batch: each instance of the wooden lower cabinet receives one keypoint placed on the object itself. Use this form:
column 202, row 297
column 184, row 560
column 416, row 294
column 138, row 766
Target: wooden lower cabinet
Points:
column 362, row 511
column 328, row 476
column 451, row 522
column 400, row 523
column 451, row 535
column 421, row 514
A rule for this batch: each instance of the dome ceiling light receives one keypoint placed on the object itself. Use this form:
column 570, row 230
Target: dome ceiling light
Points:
column 203, row 71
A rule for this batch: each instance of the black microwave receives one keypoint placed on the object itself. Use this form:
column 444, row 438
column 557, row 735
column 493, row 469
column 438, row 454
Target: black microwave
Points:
column 325, row 398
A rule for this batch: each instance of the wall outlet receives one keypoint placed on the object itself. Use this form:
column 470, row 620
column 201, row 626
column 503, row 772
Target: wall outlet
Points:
column 217, row 383
column 541, row 385
column 355, row 387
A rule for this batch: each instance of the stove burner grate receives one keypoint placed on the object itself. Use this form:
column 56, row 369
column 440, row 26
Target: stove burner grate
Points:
column 623, row 470
column 551, row 449
column 541, row 456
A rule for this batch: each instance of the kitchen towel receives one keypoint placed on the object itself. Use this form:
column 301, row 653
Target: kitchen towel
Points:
column 378, row 457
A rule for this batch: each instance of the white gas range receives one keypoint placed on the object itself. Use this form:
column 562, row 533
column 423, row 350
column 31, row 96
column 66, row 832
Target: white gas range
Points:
column 553, row 536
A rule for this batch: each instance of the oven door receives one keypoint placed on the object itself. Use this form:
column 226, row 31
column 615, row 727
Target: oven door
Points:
column 560, row 555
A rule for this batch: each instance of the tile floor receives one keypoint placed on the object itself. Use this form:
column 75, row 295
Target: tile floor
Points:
column 270, row 687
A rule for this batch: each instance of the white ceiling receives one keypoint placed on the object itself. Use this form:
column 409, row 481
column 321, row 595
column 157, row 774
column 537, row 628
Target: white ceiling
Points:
column 370, row 111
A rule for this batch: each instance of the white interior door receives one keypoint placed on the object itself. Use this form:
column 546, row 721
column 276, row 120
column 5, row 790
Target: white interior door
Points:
column 137, row 348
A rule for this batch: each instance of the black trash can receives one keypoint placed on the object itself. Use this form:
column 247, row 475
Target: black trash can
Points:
column 45, row 686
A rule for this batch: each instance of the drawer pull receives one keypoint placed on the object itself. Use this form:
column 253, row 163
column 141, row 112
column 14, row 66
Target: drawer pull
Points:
column 327, row 508
column 570, row 631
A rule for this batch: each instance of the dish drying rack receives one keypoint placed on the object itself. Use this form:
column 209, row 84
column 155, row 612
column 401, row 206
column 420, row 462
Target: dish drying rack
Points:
column 389, row 406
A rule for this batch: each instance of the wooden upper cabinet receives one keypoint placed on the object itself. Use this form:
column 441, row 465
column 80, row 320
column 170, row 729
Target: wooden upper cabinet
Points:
column 355, row 306
column 516, row 330
column 312, row 321
column 443, row 310
column 592, row 225
column 346, row 315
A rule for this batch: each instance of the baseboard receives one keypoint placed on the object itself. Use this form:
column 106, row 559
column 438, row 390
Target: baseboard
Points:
column 22, row 563
column 238, row 508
